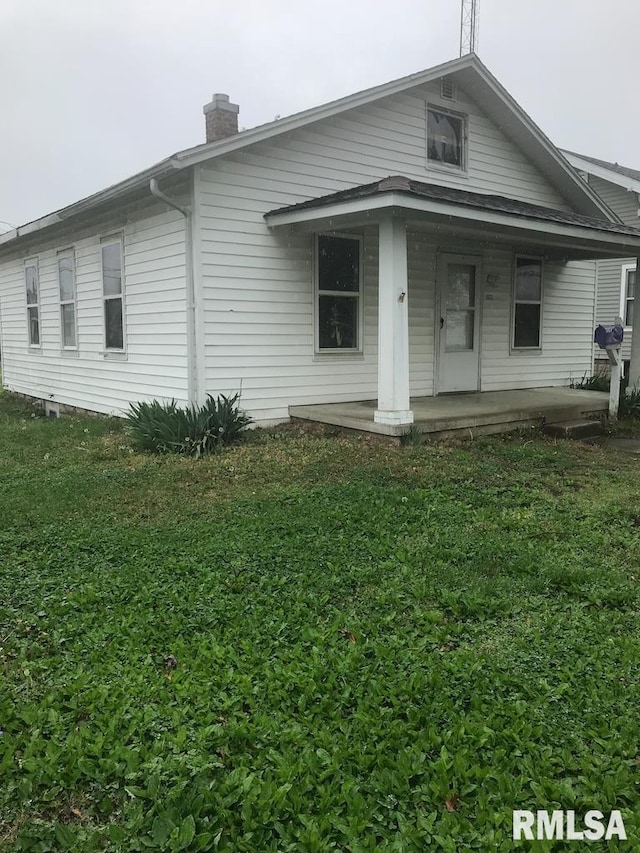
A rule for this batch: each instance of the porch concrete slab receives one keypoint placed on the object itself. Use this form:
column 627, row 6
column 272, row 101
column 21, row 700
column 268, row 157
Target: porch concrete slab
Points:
column 479, row 412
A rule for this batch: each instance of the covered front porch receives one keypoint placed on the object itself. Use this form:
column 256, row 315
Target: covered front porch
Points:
column 463, row 292
column 478, row 413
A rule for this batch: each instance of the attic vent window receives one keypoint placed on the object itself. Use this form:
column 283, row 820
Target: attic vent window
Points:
column 448, row 89
column 446, row 134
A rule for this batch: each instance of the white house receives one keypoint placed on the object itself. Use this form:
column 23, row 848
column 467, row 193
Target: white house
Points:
column 415, row 239
column 619, row 187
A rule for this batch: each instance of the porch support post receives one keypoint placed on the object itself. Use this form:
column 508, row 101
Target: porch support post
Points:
column 615, row 359
column 634, row 365
column 393, row 325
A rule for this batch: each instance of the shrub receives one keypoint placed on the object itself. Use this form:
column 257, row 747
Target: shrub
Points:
column 629, row 407
column 192, row 431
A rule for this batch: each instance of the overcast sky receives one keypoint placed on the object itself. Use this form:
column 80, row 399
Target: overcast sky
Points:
column 95, row 90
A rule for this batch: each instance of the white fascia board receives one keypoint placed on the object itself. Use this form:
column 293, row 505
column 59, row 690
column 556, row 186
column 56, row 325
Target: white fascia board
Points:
column 552, row 151
column 609, row 175
column 23, row 230
column 199, row 154
column 383, row 203
column 193, row 156
column 112, row 193
column 340, row 209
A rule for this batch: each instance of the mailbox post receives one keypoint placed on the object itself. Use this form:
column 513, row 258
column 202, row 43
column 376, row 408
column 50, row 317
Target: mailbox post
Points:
column 610, row 338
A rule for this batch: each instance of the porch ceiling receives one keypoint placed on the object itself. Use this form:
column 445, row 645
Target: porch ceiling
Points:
column 558, row 234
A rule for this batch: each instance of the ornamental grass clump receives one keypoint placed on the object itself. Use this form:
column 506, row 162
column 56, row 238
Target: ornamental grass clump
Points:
column 630, row 405
column 598, row 381
column 191, row 431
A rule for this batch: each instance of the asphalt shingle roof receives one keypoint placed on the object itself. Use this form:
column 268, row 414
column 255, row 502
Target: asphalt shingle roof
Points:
column 463, row 198
column 615, row 167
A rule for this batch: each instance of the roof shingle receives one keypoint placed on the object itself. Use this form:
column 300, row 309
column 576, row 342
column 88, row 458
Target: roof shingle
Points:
column 634, row 174
column 464, row 198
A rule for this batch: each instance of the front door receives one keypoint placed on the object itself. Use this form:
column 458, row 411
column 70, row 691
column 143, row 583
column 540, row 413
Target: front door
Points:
column 458, row 278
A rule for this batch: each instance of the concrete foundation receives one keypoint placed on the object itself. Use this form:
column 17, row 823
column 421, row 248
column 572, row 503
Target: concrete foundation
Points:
column 476, row 413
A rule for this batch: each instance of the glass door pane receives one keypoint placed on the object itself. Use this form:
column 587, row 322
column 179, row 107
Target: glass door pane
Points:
column 459, row 317
column 459, row 330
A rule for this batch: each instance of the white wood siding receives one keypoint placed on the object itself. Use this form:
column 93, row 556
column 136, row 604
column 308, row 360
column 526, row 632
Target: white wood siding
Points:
column 609, row 301
column 567, row 326
column 622, row 202
column 155, row 317
column 626, row 205
column 257, row 285
column 260, row 336
column 255, row 325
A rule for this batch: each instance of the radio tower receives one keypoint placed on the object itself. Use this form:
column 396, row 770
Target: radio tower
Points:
column 469, row 27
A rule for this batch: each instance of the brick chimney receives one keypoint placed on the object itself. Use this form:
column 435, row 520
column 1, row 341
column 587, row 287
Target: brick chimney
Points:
column 221, row 118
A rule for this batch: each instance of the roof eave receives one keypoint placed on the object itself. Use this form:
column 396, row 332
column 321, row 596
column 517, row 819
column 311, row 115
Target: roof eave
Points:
column 578, row 189
column 193, row 156
column 598, row 171
column 575, row 181
column 112, row 193
column 372, row 208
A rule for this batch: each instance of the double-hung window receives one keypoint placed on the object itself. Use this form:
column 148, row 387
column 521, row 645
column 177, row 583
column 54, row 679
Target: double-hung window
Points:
column 112, row 291
column 527, row 307
column 628, row 293
column 67, row 289
column 338, row 294
column 32, row 284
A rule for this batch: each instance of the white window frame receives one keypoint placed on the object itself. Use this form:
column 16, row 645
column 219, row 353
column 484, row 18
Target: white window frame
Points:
column 626, row 268
column 359, row 295
column 439, row 164
column 33, row 262
column 113, row 239
column 68, row 253
column 514, row 302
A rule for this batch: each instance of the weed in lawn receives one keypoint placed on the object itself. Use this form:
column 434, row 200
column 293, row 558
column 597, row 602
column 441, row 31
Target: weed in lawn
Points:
column 412, row 437
column 598, row 381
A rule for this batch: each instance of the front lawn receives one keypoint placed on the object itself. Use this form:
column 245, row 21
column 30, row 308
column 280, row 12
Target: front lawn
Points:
column 312, row 643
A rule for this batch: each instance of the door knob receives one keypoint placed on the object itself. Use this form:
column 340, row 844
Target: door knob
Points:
column 441, row 322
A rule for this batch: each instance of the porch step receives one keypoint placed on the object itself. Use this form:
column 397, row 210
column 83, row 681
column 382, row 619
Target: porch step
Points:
column 573, row 429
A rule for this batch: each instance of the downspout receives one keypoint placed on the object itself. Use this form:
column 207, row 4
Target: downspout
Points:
column 192, row 364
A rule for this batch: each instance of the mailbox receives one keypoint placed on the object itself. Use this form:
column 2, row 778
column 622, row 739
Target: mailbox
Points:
column 608, row 337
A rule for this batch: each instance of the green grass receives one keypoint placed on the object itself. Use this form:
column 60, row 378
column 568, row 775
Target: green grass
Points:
column 310, row 643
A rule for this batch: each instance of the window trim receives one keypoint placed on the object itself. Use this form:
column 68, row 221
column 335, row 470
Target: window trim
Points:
column 439, row 165
column 512, row 347
column 33, row 262
column 359, row 295
column 111, row 240
column 626, row 268
column 68, row 253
